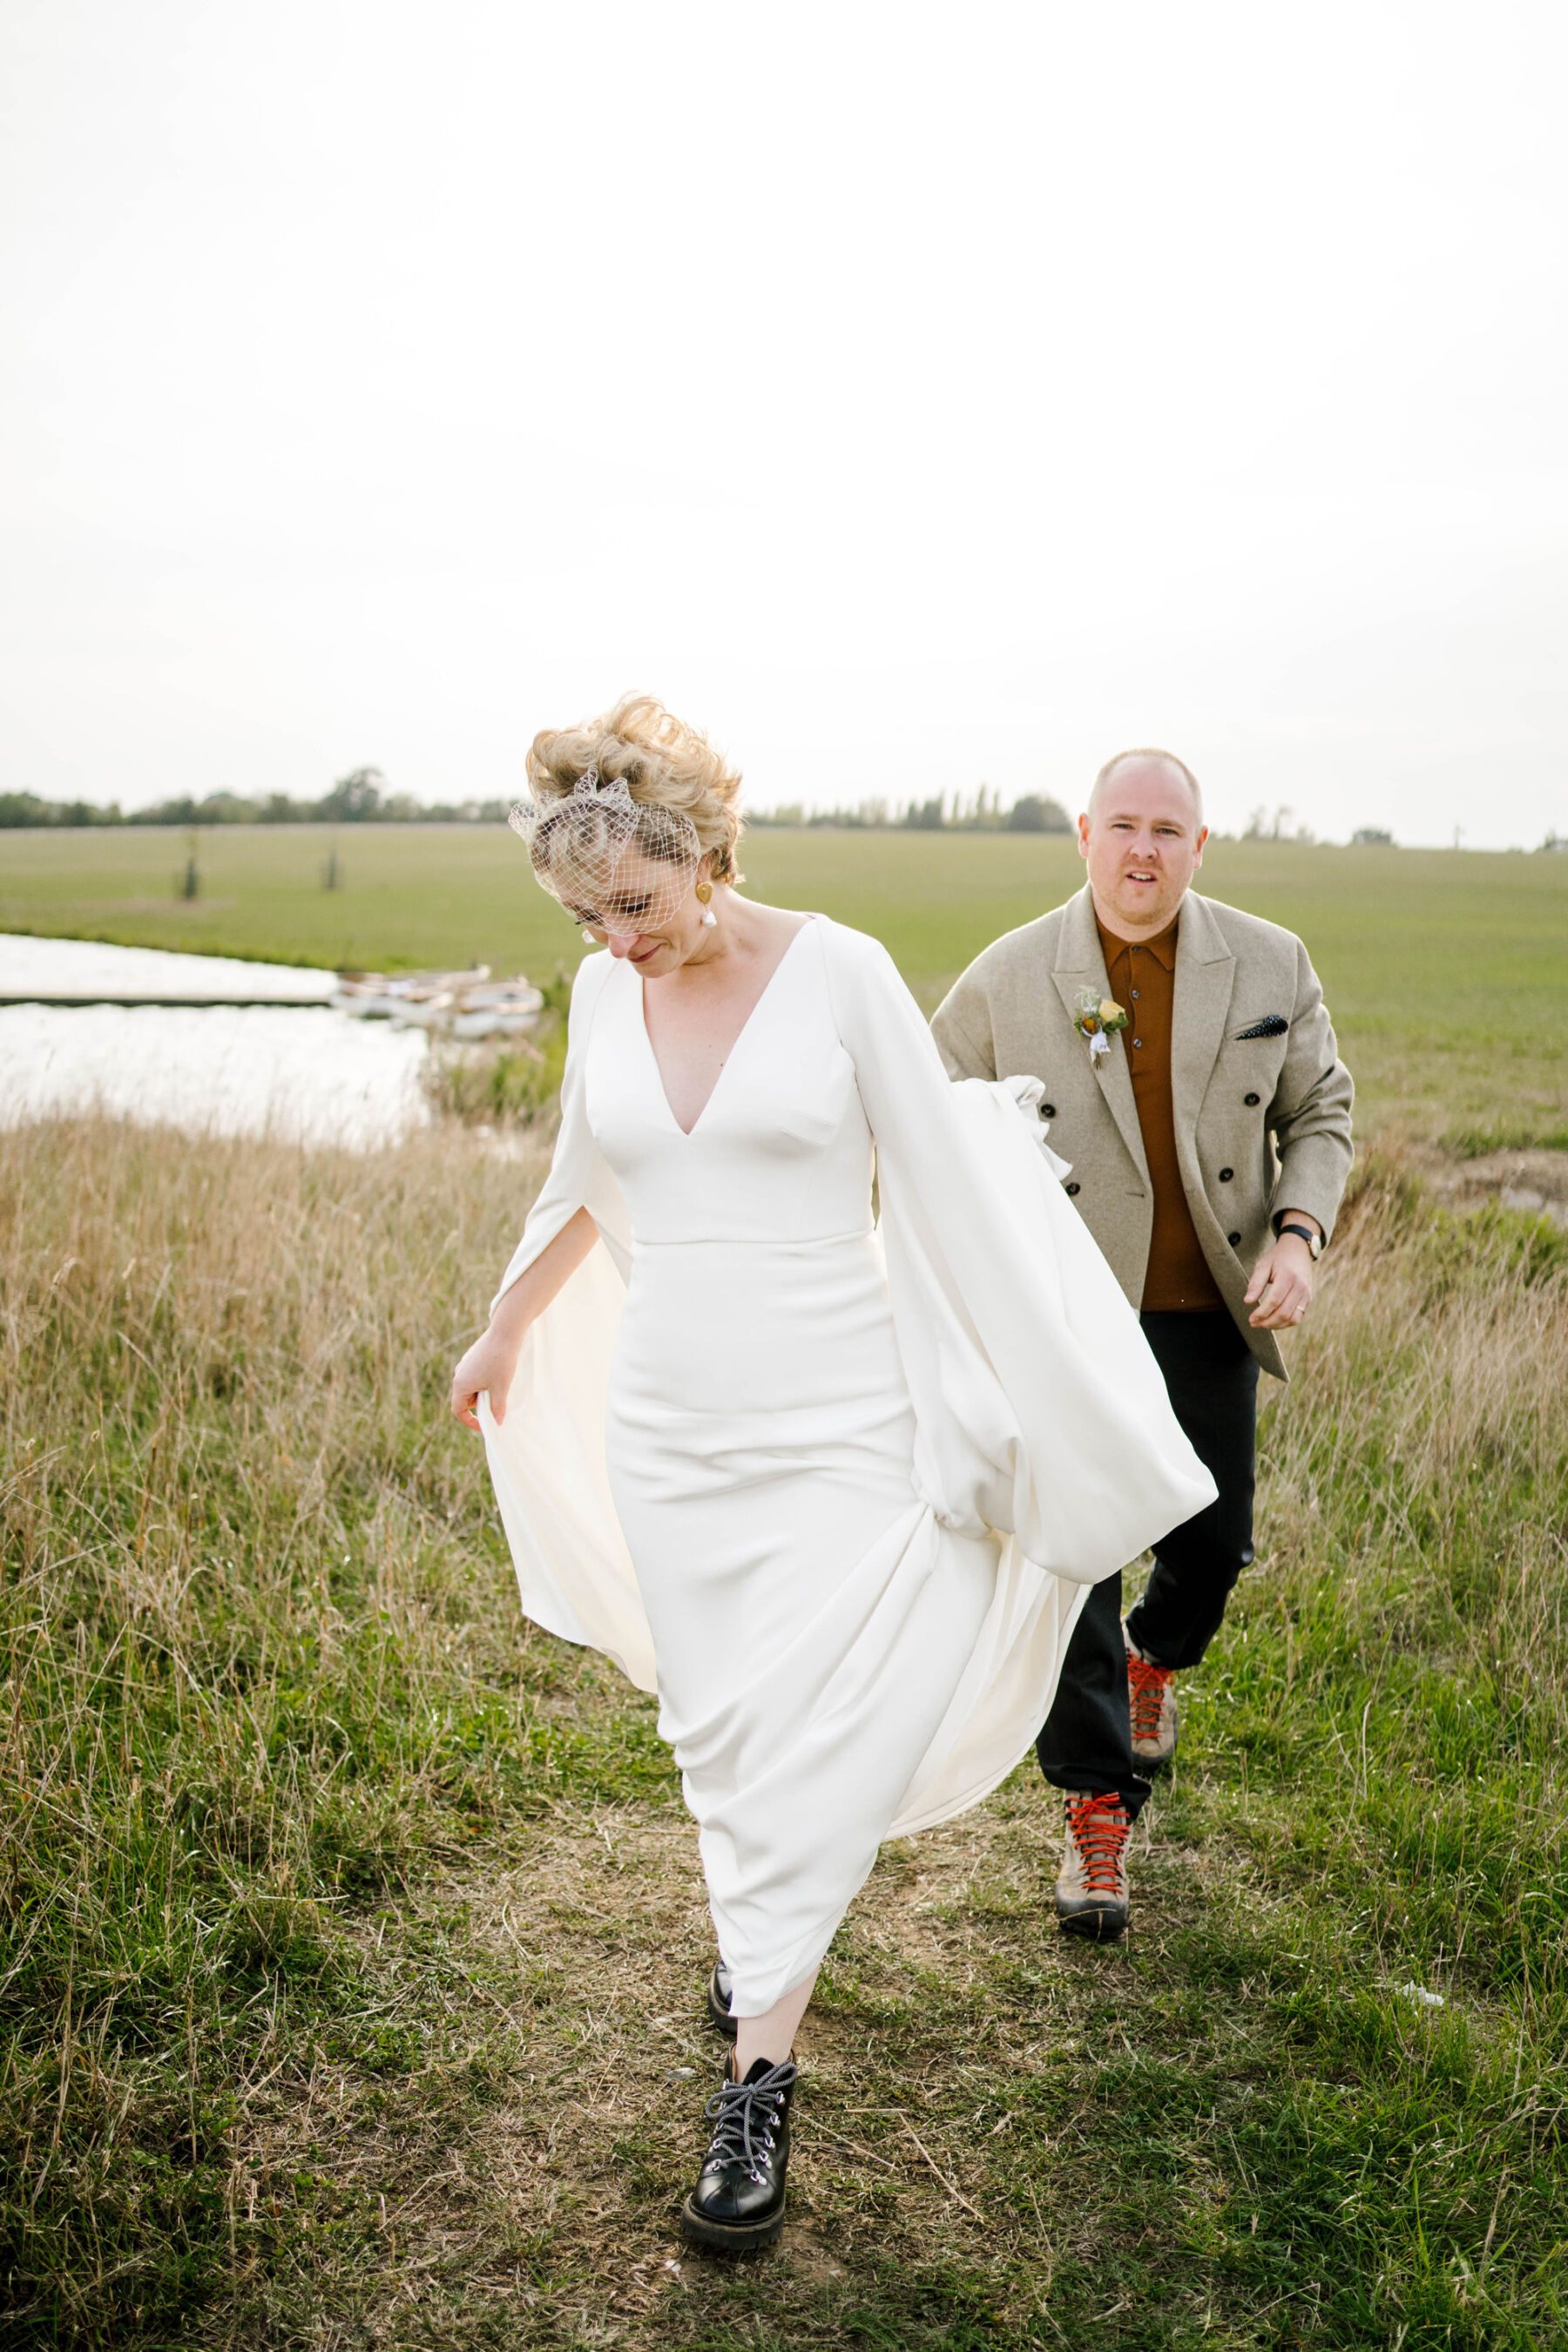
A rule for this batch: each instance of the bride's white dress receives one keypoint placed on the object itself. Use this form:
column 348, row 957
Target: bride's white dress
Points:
column 835, row 1491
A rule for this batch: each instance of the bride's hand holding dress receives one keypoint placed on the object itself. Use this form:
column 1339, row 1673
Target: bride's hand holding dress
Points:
column 489, row 1367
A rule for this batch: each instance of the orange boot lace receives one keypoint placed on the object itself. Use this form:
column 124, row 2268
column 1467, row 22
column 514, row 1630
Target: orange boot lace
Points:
column 1146, row 1689
column 1099, row 1829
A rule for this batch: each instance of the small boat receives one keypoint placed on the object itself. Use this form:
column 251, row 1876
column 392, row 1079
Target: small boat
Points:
column 464, row 1004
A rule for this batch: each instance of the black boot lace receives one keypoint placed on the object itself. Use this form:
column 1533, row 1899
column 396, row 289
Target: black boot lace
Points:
column 746, row 2117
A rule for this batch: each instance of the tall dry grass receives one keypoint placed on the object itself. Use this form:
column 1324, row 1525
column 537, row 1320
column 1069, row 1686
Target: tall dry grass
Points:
column 261, row 1660
column 1415, row 1495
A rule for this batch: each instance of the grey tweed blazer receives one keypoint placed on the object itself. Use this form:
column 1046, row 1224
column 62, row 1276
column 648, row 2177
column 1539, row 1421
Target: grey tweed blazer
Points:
column 1263, row 1120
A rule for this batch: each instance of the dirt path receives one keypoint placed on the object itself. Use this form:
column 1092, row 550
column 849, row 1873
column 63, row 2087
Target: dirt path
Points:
column 949, row 2070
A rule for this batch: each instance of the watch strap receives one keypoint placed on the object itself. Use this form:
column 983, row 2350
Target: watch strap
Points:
column 1314, row 1240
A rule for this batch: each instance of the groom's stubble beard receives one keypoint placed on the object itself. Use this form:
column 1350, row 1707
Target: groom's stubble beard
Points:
column 1138, row 914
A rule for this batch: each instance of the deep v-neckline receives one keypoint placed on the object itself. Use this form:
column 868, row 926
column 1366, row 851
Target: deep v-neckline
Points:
column 686, row 1133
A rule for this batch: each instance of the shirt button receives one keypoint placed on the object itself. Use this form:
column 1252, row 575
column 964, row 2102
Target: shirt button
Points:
column 1226, row 1174
column 1071, row 1189
column 1252, row 1101
column 1235, row 1240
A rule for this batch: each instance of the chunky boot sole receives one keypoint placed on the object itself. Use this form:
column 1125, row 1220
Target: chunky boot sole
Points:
column 1103, row 1923
column 719, row 2010
column 728, row 2238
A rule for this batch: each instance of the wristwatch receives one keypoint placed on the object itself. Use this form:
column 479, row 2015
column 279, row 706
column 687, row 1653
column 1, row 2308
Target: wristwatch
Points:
column 1314, row 1240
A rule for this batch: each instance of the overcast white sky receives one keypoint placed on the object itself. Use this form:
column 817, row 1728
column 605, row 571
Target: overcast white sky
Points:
column 910, row 396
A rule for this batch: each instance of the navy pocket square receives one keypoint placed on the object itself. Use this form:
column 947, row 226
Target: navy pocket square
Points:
column 1273, row 1024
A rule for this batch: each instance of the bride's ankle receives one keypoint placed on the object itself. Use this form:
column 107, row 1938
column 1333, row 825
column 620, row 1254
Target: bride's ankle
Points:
column 738, row 2074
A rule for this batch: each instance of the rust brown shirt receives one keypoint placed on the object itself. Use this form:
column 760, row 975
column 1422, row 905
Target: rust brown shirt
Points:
column 1142, row 976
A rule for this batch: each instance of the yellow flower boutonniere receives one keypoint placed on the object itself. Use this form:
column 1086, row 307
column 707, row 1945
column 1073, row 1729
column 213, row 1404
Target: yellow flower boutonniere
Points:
column 1096, row 1020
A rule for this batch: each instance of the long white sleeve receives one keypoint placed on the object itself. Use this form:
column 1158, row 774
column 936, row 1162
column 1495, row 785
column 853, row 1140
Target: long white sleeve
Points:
column 547, row 1457
column 1040, row 1409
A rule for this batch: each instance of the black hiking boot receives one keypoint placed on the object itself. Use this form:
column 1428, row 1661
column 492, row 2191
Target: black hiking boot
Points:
column 739, row 2199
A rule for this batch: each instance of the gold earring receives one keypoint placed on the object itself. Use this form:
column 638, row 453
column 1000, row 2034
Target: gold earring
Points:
column 704, row 891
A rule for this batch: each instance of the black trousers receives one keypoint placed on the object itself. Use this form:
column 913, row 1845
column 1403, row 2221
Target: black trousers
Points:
column 1211, row 1377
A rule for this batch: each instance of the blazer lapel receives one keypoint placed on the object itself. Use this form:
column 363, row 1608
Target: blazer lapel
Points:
column 1081, row 964
column 1205, row 974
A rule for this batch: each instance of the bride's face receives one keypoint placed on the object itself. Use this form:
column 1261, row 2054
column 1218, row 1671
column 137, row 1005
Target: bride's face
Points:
column 637, row 921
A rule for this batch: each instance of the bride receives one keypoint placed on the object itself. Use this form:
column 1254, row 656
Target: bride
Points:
column 834, row 1489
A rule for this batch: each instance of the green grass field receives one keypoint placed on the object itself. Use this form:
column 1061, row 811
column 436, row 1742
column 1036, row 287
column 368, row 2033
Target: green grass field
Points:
column 352, row 1934
column 1446, row 973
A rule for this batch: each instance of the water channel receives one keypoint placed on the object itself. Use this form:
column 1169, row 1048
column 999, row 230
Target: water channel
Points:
column 210, row 1044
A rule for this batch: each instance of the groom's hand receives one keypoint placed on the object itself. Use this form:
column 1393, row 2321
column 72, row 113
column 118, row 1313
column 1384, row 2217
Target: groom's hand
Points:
column 1281, row 1286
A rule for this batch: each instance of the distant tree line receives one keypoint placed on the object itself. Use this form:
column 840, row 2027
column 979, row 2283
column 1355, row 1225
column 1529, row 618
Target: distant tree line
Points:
column 361, row 798
column 981, row 811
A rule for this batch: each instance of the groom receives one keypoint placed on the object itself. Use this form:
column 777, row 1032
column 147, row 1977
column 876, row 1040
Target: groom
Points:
column 1210, row 1146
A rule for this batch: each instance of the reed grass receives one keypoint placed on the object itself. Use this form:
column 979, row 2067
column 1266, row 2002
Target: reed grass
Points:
column 504, row 1084
column 351, row 1934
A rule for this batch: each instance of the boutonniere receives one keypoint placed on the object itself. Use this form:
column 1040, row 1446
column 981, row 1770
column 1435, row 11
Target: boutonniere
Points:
column 1096, row 1020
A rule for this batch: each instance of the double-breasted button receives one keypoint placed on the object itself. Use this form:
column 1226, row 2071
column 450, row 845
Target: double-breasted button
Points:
column 1252, row 1101
column 1226, row 1174
column 1235, row 1240
column 1073, row 1189
column 1047, row 1110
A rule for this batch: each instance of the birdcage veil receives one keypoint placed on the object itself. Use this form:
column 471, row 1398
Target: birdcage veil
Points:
column 613, row 863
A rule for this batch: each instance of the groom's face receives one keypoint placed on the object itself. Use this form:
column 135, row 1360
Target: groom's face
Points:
column 1143, row 841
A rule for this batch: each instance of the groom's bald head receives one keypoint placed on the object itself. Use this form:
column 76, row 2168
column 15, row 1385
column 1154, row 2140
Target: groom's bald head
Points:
column 1125, row 763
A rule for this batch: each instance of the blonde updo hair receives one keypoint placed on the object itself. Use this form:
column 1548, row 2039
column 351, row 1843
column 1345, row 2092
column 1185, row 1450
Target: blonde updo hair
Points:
column 663, row 762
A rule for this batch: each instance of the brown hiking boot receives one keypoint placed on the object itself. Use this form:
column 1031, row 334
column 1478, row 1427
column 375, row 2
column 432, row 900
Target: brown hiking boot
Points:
column 1152, row 1703
column 1092, row 1894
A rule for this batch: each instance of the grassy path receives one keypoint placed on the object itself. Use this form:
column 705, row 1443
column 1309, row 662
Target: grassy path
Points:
column 351, row 1936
